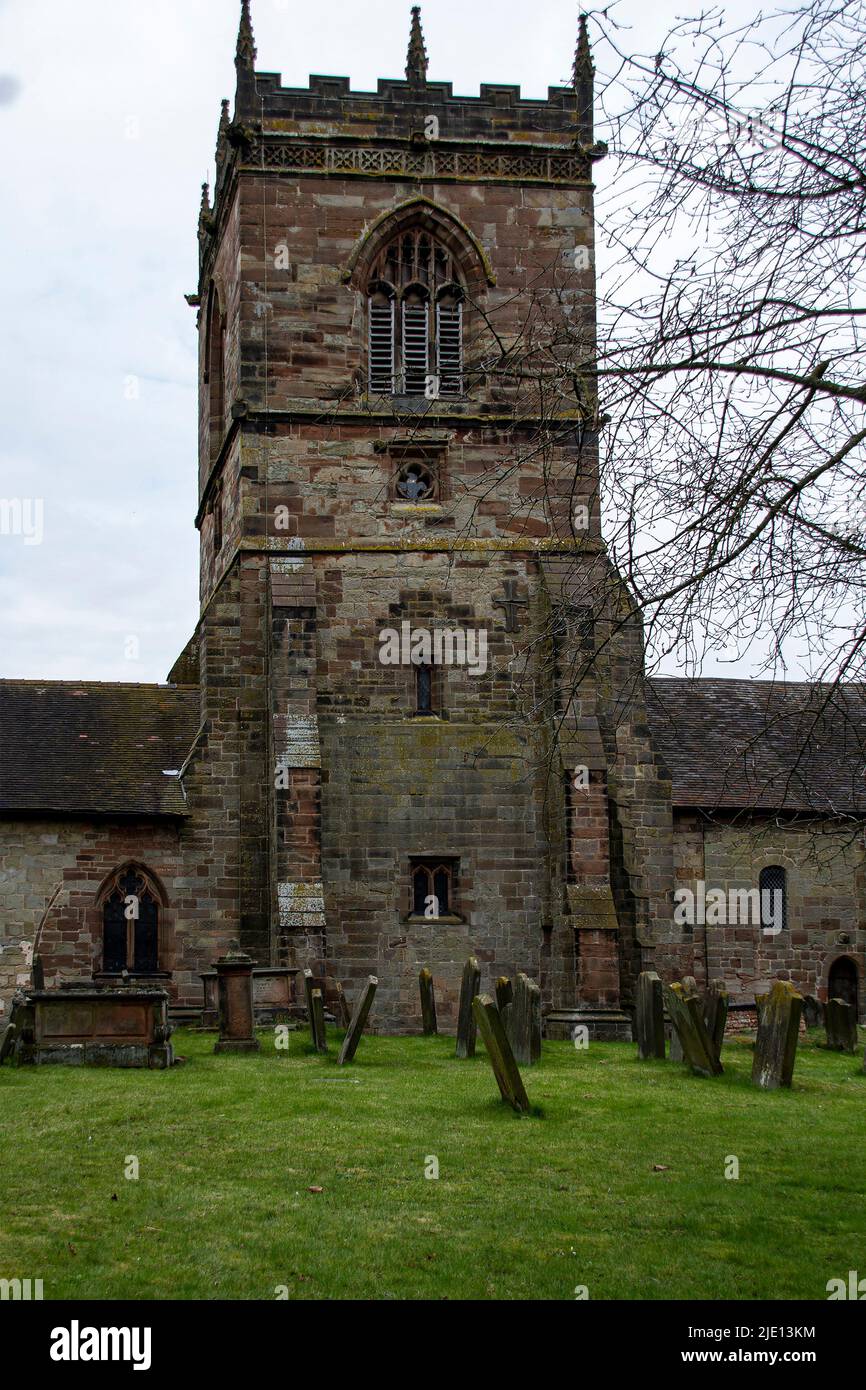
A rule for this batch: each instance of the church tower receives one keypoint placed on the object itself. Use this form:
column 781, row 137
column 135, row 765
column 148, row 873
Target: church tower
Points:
column 421, row 730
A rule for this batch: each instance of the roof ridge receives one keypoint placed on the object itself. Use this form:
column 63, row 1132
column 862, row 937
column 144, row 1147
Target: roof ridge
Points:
column 754, row 684
column 99, row 685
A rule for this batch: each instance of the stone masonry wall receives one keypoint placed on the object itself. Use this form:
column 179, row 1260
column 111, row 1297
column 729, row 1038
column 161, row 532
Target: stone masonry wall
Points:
column 825, row 905
column 463, row 784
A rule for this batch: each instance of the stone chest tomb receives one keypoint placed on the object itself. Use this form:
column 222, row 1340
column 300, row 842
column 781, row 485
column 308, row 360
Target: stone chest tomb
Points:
column 102, row 1027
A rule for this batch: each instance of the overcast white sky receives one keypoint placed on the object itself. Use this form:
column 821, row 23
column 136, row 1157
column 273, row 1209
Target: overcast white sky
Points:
column 108, row 115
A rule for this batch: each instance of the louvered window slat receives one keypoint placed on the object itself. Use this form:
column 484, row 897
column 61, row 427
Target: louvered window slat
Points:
column 449, row 348
column 415, row 318
column 415, row 348
column 382, row 347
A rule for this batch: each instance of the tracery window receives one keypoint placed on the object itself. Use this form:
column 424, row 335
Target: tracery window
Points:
column 415, row 306
column 130, row 924
column 417, row 482
column 433, row 888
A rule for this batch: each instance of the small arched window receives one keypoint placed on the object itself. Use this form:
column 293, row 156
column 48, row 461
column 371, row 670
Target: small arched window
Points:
column 130, row 924
column 772, row 883
column 423, row 689
column 433, row 890
column 415, row 314
column 217, row 510
column 215, row 370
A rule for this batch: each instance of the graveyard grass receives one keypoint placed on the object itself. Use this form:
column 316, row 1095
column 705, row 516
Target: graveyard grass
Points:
column 523, row 1208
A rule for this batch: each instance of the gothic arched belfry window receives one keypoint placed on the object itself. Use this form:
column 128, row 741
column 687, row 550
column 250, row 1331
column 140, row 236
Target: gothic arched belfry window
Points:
column 415, row 307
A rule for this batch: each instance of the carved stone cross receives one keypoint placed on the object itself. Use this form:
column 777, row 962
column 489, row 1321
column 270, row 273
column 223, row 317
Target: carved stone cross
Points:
column 510, row 604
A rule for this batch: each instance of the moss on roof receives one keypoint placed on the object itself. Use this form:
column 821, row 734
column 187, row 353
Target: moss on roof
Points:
column 78, row 747
column 732, row 744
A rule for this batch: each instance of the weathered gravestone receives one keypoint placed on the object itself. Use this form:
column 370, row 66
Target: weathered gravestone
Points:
column 505, row 1013
column 687, row 1022
column 505, row 1005
column 690, row 985
column 776, row 1045
column 359, row 1018
column 523, row 1024
column 840, row 1020
column 343, row 1005
column 428, row 1003
column 716, row 1015
column 813, row 1011
column 760, row 1001
column 235, row 993
column 318, row 1035
column 499, row 1052
column 649, row 1016
column 7, row 1041
column 309, row 986
column 469, row 987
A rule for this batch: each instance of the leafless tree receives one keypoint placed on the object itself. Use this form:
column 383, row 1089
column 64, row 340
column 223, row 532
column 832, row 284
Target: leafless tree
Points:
column 727, row 385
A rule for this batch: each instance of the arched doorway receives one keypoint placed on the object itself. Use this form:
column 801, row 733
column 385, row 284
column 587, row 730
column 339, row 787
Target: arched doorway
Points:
column 842, row 982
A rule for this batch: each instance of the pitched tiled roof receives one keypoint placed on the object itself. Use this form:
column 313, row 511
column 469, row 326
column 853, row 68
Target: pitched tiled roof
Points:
column 94, row 748
column 89, row 747
column 739, row 744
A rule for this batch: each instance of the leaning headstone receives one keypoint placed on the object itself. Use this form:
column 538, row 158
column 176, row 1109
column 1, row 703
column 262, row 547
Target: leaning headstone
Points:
column 469, row 987
column 428, row 1003
column 690, row 985
column 309, row 984
column 687, row 1020
column 7, row 1041
column 776, row 1045
column 676, row 1049
column 813, row 1011
column 504, row 992
column 524, row 1023
column 359, row 1018
column 760, row 1001
column 716, row 1015
column 345, row 1013
column 840, row 1020
column 649, row 1016
column 505, row 1005
column 318, row 1036
column 38, row 973
column 499, row 1052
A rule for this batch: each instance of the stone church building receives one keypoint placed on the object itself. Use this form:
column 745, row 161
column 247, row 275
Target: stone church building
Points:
column 412, row 723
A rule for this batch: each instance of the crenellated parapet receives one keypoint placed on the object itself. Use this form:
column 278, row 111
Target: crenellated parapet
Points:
column 411, row 129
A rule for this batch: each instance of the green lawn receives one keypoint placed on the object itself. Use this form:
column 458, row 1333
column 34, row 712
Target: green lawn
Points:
column 523, row 1208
